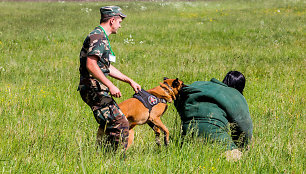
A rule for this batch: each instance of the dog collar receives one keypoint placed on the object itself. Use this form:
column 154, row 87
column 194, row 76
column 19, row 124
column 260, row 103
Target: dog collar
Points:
column 169, row 87
column 162, row 100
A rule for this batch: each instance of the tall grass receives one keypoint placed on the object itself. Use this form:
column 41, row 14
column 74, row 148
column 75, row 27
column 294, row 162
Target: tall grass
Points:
column 47, row 128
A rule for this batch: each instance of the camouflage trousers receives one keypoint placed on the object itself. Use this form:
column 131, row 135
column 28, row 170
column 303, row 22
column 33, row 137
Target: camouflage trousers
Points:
column 107, row 113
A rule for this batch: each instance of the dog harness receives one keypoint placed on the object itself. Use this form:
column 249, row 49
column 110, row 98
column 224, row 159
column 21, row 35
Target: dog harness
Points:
column 148, row 99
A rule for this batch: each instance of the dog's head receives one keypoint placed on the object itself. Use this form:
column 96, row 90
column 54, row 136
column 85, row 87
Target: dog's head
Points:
column 173, row 86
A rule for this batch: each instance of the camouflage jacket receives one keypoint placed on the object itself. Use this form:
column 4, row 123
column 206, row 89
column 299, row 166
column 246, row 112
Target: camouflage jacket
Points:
column 95, row 44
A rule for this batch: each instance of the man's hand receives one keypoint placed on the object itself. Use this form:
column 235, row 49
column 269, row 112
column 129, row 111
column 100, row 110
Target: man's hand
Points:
column 135, row 86
column 114, row 91
column 95, row 70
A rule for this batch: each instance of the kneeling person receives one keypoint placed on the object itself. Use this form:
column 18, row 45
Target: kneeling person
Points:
column 207, row 108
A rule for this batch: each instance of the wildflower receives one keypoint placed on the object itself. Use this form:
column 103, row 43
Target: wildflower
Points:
column 165, row 4
column 262, row 23
column 87, row 10
column 143, row 8
column 129, row 40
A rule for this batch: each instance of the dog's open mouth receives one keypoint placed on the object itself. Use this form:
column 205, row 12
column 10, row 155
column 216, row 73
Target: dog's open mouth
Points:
column 183, row 85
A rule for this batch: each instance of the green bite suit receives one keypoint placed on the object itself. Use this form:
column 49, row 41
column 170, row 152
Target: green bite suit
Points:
column 216, row 112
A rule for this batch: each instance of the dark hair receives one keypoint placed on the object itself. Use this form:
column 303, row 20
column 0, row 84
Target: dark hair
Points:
column 105, row 18
column 235, row 79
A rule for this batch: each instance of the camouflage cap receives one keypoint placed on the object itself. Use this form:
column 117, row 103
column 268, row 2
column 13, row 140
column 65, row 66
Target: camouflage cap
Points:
column 109, row 11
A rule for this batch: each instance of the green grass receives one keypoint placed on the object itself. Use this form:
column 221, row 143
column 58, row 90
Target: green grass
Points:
column 46, row 127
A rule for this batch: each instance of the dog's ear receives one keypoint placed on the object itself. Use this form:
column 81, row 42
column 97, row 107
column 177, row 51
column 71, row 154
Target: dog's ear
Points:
column 175, row 83
column 165, row 78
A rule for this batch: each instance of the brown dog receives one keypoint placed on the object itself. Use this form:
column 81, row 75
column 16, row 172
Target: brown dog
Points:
column 138, row 114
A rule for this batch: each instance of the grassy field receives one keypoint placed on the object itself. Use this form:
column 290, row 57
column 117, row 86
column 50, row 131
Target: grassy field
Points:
column 45, row 127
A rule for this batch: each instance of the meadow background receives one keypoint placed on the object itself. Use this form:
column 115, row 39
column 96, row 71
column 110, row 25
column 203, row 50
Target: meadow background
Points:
column 45, row 127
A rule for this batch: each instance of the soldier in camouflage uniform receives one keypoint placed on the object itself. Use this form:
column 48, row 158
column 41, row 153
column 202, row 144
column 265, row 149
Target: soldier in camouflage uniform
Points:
column 95, row 65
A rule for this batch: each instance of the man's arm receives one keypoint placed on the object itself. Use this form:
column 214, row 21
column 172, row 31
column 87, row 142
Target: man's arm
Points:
column 115, row 73
column 95, row 70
